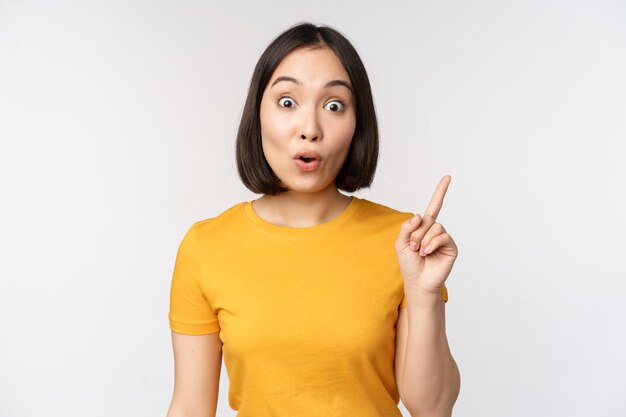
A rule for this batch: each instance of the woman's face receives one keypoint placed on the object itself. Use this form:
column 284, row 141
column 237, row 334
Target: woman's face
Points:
column 309, row 114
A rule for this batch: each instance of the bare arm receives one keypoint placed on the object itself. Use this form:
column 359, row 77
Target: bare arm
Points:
column 428, row 378
column 197, row 366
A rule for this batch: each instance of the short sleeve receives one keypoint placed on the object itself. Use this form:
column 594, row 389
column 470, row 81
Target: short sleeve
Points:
column 190, row 312
column 444, row 296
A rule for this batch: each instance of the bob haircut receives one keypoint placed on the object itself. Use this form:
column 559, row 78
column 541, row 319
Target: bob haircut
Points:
column 359, row 168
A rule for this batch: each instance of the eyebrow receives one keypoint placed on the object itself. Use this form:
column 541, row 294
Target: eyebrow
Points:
column 332, row 83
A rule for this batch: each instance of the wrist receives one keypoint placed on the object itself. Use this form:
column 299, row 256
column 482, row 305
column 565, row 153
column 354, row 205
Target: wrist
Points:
column 420, row 297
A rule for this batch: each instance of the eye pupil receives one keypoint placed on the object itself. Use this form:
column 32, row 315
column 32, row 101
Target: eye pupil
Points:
column 336, row 106
column 285, row 100
column 288, row 104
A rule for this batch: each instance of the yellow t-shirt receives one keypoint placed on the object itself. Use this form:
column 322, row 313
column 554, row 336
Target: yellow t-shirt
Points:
column 306, row 315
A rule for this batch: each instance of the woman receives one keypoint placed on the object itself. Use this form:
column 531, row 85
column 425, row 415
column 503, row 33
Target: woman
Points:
column 303, row 288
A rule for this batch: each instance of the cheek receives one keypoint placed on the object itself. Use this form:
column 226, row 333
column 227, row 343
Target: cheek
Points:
column 272, row 133
column 272, row 126
column 348, row 125
column 344, row 134
column 348, row 131
column 273, row 142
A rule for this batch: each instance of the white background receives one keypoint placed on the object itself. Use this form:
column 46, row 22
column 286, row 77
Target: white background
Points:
column 117, row 129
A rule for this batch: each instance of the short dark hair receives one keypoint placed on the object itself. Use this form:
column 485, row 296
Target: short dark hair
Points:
column 360, row 165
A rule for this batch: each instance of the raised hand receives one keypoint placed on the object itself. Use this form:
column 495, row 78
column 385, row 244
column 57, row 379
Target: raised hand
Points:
column 425, row 251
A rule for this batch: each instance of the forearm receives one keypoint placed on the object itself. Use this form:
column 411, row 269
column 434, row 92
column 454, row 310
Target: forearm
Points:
column 430, row 376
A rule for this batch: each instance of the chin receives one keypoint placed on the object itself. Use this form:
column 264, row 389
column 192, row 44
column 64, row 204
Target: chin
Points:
column 306, row 186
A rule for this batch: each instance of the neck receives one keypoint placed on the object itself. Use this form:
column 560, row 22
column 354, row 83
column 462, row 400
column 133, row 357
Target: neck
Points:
column 298, row 209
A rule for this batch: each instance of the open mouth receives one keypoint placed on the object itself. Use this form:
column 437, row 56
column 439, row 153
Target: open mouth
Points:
column 307, row 163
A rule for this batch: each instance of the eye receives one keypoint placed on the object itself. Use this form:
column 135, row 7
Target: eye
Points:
column 289, row 99
column 341, row 105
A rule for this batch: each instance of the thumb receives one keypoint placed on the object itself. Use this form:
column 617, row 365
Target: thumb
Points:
column 407, row 227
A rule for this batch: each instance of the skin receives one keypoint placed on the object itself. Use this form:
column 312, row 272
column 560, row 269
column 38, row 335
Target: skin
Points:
column 304, row 116
column 427, row 375
column 426, row 252
column 307, row 116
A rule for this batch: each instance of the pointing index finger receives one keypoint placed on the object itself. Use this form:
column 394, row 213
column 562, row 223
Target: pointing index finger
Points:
column 436, row 202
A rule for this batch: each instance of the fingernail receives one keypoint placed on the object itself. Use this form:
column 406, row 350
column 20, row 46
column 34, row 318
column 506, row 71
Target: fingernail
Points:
column 413, row 245
column 428, row 248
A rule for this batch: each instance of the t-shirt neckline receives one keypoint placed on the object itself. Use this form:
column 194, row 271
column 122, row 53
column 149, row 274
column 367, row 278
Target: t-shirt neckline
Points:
column 302, row 232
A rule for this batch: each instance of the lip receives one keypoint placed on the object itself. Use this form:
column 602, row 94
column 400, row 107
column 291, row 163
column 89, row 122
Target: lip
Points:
column 307, row 154
column 306, row 166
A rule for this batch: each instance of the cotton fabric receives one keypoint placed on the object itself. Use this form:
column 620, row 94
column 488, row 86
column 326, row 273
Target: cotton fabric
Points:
column 306, row 316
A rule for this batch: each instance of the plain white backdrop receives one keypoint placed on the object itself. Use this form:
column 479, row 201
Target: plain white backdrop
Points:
column 117, row 132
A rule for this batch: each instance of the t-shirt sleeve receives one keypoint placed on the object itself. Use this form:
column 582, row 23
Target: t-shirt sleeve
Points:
column 190, row 312
column 444, row 296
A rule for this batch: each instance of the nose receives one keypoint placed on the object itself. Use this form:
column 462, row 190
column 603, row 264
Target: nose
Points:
column 310, row 126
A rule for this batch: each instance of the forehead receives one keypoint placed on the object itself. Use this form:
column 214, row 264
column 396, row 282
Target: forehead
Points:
column 314, row 67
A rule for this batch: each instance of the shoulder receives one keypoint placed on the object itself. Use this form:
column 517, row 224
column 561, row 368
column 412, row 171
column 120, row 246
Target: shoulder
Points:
column 222, row 224
column 380, row 215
